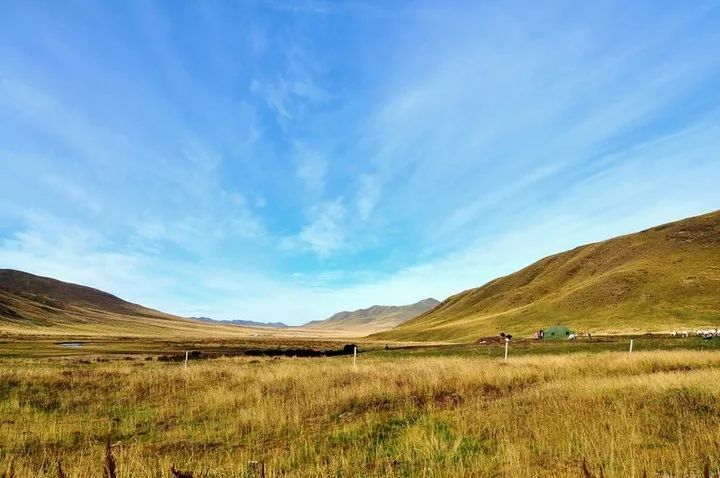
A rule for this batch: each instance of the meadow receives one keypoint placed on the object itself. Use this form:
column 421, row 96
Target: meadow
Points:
column 580, row 410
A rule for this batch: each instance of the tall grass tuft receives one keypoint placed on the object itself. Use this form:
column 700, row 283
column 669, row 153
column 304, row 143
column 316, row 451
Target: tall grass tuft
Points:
column 60, row 471
column 180, row 474
column 110, row 465
column 11, row 470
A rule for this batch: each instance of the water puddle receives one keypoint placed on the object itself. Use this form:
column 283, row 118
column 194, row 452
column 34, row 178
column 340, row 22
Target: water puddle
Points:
column 71, row 345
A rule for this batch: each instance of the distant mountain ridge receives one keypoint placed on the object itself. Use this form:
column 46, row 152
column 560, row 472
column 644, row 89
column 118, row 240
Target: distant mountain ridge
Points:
column 663, row 278
column 243, row 323
column 373, row 319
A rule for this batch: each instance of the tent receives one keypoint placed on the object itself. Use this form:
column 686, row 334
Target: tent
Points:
column 557, row 332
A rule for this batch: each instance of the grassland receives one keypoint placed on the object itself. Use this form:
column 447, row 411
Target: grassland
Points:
column 554, row 409
column 665, row 278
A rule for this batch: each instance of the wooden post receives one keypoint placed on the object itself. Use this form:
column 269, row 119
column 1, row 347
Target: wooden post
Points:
column 631, row 344
column 507, row 342
column 186, row 358
column 354, row 357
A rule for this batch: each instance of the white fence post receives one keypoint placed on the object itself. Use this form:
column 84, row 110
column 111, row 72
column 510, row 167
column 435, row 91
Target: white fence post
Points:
column 631, row 345
column 507, row 342
column 186, row 358
column 354, row 357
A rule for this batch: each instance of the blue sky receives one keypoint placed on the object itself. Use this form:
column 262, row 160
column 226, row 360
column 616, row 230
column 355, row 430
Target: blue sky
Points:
column 284, row 160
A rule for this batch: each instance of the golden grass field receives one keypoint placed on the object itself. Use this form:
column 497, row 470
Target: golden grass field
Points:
column 461, row 412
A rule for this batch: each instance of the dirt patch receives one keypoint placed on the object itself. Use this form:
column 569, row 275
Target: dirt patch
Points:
column 9, row 313
column 262, row 352
column 696, row 233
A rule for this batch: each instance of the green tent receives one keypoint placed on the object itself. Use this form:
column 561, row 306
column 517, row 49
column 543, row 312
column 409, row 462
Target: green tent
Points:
column 557, row 332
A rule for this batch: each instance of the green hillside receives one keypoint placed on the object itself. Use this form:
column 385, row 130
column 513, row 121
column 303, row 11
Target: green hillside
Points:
column 661, row 279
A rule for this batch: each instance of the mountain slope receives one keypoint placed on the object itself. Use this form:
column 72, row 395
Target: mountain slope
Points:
column 372, row 319
column 54, row 292
column 31, row 304
column 663, row 278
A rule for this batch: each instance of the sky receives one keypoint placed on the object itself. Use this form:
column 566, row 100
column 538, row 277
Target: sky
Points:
column 285, row 160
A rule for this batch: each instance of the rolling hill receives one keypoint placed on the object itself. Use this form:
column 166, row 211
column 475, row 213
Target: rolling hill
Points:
column 372, row 319
column 664, row 278
column 31, row 304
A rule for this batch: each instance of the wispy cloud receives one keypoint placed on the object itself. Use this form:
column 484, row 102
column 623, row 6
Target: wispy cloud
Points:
column 292, row 89
column 368, row 195
column 311, row 168
column 325, row 233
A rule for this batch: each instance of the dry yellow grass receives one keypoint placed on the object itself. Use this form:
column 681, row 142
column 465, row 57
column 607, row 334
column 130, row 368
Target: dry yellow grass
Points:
column 653, row 413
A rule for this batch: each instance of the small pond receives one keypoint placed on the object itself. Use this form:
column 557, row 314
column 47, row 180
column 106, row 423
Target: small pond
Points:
column 70, row 345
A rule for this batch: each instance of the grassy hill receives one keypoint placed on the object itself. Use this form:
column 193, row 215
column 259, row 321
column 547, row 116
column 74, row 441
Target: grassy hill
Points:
column 373, row 319
column 31, row 304
column 660, row 279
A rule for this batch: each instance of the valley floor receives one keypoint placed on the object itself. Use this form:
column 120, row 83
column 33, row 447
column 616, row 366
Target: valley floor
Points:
column 554, row 409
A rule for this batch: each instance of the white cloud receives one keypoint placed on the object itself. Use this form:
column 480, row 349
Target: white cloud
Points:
column 368, row 195
column 310, row 168
column 325, row 233
column 291, row 90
